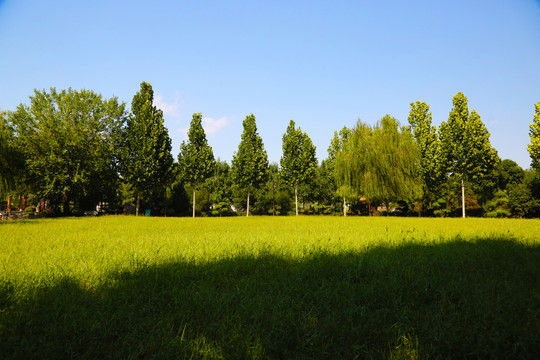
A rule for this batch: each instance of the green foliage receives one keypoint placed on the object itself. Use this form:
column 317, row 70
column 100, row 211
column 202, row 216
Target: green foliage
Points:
column 298, row 162
column 11, row 157
column 147, row 162
column 70, row 143
column 498, row 207
column 524, row 199
column 250, row 162
column 196, row 159
column 465, row 145
column 509, row 174
column 269, row 288
column 534, row 132
column 431, row 162
column 380, row 163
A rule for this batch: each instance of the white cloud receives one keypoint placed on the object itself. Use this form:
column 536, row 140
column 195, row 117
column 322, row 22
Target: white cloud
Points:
column 212, row 126
column 169, row 108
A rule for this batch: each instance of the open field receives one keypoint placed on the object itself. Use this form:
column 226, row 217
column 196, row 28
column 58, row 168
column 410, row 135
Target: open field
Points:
column 263, row 287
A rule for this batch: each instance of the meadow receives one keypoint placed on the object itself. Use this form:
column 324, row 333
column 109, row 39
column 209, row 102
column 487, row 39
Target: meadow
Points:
column 269, row 288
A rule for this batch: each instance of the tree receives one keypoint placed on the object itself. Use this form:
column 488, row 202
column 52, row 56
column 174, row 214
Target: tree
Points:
column 465, row 145
column 509, row 174
column 196, row 159
column 430, row 167
column 250, row 162
column 337, row 144
column 8, row 171
column 69, row 140
column 220, row 186
column 394, row 160
column 380, row 162
column 147, row 163
column 298, row 161
column 534, row 146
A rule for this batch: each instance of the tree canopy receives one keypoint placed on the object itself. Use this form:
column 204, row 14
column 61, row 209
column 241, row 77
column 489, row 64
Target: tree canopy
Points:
column 196, row 159
column 68, row 140
column 534, row 132
column 380, row 162
column 298, row 162
column 465, row 145
column 147, row 162
column 250, row 162
column 430, row 166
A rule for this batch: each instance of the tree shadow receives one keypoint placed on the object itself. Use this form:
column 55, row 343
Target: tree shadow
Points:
column 454, row 300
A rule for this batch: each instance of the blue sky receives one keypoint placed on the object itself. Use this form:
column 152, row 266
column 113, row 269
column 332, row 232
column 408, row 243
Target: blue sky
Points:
column 322, row 64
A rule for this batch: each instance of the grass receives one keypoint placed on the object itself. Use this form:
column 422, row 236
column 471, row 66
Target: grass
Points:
column 270, row 288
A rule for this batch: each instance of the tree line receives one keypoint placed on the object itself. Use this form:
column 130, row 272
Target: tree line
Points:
column 70, row 151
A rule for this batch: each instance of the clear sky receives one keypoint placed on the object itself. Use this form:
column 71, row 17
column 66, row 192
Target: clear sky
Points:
column 324, row 64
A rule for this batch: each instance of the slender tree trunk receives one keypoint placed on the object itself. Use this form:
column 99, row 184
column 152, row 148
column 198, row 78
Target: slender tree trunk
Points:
column 344, row 208
column 296, row 197
column 138, row 202
column 66, row 204
column 369, row 208
column 20, row 203
column 463, row 198
column 273, row 198
column 8, row 204
column 247, row 212
column 193, row 202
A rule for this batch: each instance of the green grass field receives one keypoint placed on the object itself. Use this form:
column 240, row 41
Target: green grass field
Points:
column 269, row 288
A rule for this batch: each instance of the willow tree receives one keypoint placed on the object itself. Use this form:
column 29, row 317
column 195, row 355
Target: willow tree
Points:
column 250, row 162
column 380, row 162
column 534, row 146
column 196, row 159
column 298, row 162
column 465, row 145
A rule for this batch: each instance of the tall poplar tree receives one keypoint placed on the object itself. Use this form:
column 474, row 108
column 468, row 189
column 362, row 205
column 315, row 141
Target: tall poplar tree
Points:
column 147, row 163
column 465, row 145
column 337, row 145
column 298, row 162
column 427, row 140
column 196, row 159
column 250, row 162
column 534, row 132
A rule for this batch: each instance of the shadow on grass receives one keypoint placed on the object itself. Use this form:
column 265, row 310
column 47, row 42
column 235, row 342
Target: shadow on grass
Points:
column 455, row 300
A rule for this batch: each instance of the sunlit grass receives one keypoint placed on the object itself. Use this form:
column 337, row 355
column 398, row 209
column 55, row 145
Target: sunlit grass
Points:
column 266, row 287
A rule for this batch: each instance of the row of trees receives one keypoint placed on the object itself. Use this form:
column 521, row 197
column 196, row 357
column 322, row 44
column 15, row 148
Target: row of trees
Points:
column 76, row 150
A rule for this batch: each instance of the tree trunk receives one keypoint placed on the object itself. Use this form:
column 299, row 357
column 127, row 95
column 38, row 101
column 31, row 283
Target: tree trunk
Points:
column 137, row 207
column 463, row 198
column 273, row 198
column 344, row 208
column 296, row 197
column 193, row 202
column 247, row 212
column 20, row 203
column 369, row 208
column 66, row 204
column 8, row 210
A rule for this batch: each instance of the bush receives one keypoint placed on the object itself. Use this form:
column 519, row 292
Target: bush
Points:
column 499, row 213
